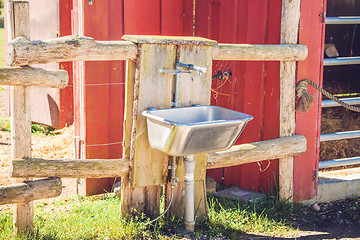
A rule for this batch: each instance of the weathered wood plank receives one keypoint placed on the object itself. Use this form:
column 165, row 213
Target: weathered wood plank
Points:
column 152, row 89
column 29, row 76
column 30, row 191
column 178, row 40
column 68, row 48
column 256, row 52
column 93, row 168
column 68, row 168
column 19, row 25
column 135, row 199
column 257, row 151
column 289, row 35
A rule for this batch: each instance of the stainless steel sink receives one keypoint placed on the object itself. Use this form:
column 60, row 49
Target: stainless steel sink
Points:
column 187, row 131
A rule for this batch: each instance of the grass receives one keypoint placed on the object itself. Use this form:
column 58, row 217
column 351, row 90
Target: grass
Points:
column 90, row 218
column 5, row 124
column 2, row 47
column 35, row 128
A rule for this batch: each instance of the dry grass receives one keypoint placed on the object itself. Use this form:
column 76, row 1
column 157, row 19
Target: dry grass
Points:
column 339, row 120
column 43, row 146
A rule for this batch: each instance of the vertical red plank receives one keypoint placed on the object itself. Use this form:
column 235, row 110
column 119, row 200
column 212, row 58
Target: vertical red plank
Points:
column 269, row 174
column 76, row 78
column 254, row 86
column 96, row 89
column 176, row 17
column 142, row 17
column 311, row 33
column 66, row 109
column 254, row 90
column 171, row 17
column 117, row 79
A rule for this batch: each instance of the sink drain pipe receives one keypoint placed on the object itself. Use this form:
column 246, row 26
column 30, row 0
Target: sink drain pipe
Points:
column 189, row 164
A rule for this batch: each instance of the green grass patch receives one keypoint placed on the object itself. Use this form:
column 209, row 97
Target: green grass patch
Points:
column 5, row 124
column 35, row 128
column 2, row 47
column 90, row 218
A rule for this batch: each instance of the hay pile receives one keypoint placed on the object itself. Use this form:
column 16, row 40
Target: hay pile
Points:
column 43, row 146
column 339, row 119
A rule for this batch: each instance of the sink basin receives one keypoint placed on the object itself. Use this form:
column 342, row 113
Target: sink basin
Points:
column 187, row 131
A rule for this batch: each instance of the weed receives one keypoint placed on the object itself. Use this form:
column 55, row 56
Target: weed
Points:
column 5, row 124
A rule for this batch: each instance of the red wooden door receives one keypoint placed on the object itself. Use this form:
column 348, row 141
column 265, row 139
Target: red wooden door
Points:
column 253, row 87
column 311, row 34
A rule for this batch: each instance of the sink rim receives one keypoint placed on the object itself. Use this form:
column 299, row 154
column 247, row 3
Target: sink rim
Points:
column 148, row 114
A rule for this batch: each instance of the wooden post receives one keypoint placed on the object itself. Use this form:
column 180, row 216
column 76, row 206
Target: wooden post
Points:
column 134, row 199
column 18, row 13
column 152, row 88
column 194, row 88
column 289, row 34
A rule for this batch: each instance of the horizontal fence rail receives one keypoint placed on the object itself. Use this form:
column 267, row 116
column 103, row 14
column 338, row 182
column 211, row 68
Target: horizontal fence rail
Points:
column 69, row 168
column 339, row 136
column 30, row 191
column 29, row 76
column 342, row 20
column 341, row 61
column 79, row 48
column 258, row 151
column 255, row 52
column 331, row 103
column 99, row 168
column 68, row 48
column 339, row 162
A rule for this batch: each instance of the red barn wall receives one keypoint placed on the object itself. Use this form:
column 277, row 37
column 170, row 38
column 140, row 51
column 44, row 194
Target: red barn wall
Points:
column 252, row 88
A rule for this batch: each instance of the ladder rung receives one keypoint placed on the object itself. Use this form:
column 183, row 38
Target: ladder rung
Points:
column 339, row 136
column 331, row 103
column 342, row 20
column 339, row 162
column 341, row 61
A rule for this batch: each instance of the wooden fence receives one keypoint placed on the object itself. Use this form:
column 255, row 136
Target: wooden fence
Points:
column 141, row 53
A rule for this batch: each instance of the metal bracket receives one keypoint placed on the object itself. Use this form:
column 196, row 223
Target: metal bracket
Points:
column 188, row 69
column 221, row 75
column 172, row 71
column 323, row 16
column 315, row 175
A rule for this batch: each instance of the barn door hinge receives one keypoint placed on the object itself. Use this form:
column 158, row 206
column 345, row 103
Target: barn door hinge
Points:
column 315, row 175
column 322, row 16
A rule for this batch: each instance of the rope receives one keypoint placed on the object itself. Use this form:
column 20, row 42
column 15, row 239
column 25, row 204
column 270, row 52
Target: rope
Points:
column 306, row 98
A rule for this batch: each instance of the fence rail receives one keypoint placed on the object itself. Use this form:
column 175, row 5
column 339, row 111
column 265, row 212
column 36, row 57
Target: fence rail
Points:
column 339, row 162
column 341, row 61
column 342, row 20
column 331, row 103
column 339, row 136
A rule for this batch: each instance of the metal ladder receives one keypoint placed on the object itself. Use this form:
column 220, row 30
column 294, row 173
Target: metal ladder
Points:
column 330, row 103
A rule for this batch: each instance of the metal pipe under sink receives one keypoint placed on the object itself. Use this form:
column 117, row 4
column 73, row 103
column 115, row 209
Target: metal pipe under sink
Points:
column 189, row 164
